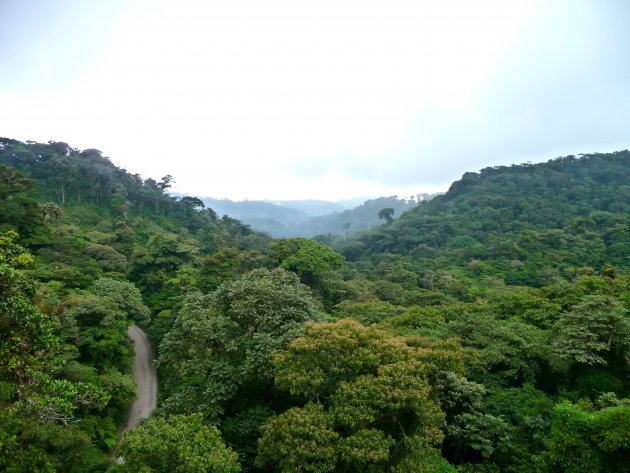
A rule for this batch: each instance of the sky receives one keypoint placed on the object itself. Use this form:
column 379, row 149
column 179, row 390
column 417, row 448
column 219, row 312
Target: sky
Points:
column 326, row 99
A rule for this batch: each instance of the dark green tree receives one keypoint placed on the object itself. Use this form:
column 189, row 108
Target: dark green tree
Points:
column 19, row 209
column 221, row 344
column 29, row 344
column 586, row 441
column 126, row 296
column 218, row 358
column 386, row 214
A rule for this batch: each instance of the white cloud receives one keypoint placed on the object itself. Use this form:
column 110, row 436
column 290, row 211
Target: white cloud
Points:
column 290, row 99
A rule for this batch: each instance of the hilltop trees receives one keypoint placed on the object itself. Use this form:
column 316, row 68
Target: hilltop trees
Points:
column 69, row 177
column 312, row 219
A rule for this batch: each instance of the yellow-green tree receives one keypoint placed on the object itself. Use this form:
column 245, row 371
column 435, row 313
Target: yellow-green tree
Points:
column 368, row 403
column 305, row 257
column 182, row 444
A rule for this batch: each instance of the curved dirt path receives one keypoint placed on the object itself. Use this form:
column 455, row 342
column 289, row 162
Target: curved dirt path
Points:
column 145, row 376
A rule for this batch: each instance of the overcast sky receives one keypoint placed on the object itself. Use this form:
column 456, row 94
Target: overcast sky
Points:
column 283, row 99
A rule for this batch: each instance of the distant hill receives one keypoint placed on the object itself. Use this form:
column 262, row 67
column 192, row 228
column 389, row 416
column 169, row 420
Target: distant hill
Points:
column 314, row 208
column 361, row 217
column 248, row 210
column 308, row 218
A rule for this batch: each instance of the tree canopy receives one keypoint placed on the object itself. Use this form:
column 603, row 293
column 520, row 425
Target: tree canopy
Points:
column 484, row 330
column 182, row 444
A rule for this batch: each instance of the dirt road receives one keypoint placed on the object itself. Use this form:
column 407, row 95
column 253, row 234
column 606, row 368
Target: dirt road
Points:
column 145, row 377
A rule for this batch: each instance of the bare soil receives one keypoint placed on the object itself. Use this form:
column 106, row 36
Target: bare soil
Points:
column 145, row 376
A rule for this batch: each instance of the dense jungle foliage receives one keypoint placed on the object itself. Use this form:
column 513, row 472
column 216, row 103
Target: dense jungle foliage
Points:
column 485, row 330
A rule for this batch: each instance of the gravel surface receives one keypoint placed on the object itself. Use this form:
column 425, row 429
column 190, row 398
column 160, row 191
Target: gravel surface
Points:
column 145, row 376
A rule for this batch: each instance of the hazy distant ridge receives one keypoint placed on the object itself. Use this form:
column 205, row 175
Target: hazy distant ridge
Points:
column 291, row 218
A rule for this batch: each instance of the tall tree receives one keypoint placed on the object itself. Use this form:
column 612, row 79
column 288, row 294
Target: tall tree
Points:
column 218, row 358
column 386, row 214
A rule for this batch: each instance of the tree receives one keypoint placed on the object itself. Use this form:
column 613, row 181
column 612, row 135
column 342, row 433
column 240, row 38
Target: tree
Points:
column 191, row 207
column 592, row 331
column 586, row 441
column 166, row 182
column 192, row 202
column 346, row 227
column 218, row 358
column 221, row 344
column 307, row 258
column 366, row 391
column 158, row 261
column 51, row 210
column 367, row 312
column 18, row 208
column 26, row 334
column 97, row 326
column 28, row 345
column 29, row 444
column 301, row 439
column 181, row 444
column 386, row 214
column 528, row 413
column 218, row 267
column 108, row 258
column 511, row 352
column 126, row 296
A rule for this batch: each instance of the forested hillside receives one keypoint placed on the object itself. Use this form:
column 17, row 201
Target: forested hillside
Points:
column 527, row 224
column 485, row 330
column 104, row 248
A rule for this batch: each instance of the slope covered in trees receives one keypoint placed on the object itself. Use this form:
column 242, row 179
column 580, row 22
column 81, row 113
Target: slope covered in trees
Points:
column 529, row 224
column 486, row 330
column 105, row 248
